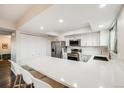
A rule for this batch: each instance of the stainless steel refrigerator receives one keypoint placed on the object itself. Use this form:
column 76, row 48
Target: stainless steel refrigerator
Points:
column 57, row 48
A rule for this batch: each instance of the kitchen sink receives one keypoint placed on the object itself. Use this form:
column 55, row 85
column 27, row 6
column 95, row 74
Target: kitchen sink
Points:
column 100, row 58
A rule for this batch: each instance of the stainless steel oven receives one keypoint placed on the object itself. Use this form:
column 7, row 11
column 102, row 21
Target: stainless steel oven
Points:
column 73, row 56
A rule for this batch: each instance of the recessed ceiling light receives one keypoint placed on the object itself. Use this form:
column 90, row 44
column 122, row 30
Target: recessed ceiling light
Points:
column 42, row 28
column 60, row 20
column 100, row 26
column 102, row 5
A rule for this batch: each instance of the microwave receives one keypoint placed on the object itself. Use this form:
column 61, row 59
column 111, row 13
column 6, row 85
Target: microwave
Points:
column 75, row 42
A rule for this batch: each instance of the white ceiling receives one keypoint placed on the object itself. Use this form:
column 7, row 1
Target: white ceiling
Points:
column 13, row 12
column 75, row 16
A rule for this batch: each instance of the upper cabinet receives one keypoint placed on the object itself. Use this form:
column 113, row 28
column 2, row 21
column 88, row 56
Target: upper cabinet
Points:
column 104, row 38
column 96, row 39
column 84, row 40
column 71, row 37
column 67, row 41
column 90, row 39
column 100, row 38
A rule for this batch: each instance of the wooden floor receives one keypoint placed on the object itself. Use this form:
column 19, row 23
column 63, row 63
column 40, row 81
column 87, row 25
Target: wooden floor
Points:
column 6, row 76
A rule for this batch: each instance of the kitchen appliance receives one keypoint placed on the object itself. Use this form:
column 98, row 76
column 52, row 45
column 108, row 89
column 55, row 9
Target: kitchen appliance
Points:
column 75, row 42
column 74, row 55
column 57, row 48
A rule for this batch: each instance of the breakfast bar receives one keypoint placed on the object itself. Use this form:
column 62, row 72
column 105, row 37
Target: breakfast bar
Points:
column 75, row 74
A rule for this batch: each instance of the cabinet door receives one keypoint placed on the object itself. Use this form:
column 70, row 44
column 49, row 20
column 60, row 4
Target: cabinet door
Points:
column 84, row 40
column 104, row 38
column 67, row 42
column 96, row 39
column 89, row 39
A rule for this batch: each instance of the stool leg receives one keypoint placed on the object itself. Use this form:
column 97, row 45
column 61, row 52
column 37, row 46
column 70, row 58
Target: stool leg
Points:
column 25, row 85
column 15, row 81
column 31, row 85
column 20, row 78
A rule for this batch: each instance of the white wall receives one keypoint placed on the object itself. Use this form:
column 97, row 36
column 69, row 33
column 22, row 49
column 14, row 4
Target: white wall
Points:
column 120, row 33
column 13, row 46
column 62, row 36
column 29, row 46
column 78, row 31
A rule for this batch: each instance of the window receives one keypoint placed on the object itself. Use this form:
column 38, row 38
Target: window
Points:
column 113, row 38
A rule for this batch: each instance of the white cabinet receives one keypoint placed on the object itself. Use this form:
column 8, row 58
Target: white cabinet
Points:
column 72, row 37
column 84, row 40
column 87, row 39
column 67, row 42
column 104, row 38
column 90, row 39
column 95, row 39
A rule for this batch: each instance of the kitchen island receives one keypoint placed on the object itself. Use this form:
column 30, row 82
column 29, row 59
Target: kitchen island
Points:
column 93, row 74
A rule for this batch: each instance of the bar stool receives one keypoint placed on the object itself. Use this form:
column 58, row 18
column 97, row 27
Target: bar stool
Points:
column 16, row 71
column 27, row 77
column 30, row 80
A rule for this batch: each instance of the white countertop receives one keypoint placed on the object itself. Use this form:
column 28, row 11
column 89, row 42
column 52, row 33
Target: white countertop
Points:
column 92, row 74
